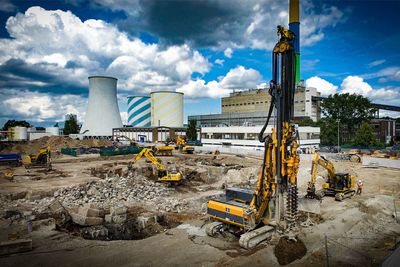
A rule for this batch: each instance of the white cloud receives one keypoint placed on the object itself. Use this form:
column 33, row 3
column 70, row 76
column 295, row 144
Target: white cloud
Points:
column 199, row 88
column 385, row 75
column 312, row 23
column 219, row 61
column 323, row 86
column 76, row 49
column 7, row 6
column 376, row 63
column 357, row 85
column 228, row 52
column 241, row 78
column 237, row 78
column 39, row 107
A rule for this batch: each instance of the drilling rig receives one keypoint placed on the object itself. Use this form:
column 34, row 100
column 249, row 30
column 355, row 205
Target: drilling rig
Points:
column 254, row 215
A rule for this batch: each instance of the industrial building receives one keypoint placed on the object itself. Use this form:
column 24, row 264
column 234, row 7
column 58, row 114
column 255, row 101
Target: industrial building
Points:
column 139, row 111
column 258, row 100
column 385, row 129
column 154, row 118
column 167, row 109
column 247, row 136
column 102, row 113
column 250, row 108
column 151, row 134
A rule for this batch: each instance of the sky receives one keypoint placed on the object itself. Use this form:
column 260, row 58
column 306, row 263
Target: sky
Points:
column 205, row 49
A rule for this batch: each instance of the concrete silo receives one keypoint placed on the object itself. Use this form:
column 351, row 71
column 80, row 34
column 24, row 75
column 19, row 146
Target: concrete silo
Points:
column 167, row 109
column 139, row 110
column 102, row 113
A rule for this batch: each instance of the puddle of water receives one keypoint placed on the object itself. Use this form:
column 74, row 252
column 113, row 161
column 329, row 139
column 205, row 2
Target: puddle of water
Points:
column 192, row 230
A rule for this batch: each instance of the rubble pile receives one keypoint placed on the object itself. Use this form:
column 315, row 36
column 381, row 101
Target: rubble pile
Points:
column 113, row 190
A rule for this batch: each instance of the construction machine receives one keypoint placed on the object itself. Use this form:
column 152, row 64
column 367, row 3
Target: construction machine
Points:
column 338, row 184
column 181, row 144
column 254, row 215
column 164, row 174
column 40, row 160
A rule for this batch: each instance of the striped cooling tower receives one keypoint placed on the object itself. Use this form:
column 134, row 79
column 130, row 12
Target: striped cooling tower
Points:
column 167, row 109
column 139, row 110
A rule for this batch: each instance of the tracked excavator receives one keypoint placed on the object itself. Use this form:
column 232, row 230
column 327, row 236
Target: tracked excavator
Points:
column 181, row 144
column 254, row 215
column 338, row 184
column 171, row 176
column 40, row 160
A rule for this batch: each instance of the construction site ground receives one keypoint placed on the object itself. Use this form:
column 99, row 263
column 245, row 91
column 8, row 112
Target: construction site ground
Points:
column 360, row 231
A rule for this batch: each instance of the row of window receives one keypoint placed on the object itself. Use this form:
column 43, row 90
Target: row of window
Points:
column 258, row 102
column 244, row 104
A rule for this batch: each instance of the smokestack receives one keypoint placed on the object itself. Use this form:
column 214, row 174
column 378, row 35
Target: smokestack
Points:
column 294, row 26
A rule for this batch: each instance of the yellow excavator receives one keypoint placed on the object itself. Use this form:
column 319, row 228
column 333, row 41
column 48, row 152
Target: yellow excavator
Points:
column 254, row 215
column 171, row 176
column 40, row 160
column 338, row 184
column 181, row 144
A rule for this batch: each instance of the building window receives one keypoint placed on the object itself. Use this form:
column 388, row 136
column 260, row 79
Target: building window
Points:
column 307, row 100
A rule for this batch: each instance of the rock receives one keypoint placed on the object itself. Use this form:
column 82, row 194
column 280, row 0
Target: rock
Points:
column 95, row 233
column 119, row 219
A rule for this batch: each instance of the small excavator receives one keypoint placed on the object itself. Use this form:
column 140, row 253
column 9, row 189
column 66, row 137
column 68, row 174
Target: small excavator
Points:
column 164, row 174
column 340, row 185
column 181, row 144
column 254, row 215
column 40, row 160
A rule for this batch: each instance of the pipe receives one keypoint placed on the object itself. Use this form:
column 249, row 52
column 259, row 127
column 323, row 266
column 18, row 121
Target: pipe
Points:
column 294, row 26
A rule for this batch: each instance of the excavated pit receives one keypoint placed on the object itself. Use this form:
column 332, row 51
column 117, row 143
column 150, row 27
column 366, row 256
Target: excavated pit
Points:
column 287, row 251
column 143, row 226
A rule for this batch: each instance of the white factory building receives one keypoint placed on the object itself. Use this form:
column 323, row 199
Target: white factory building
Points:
column 247, row 137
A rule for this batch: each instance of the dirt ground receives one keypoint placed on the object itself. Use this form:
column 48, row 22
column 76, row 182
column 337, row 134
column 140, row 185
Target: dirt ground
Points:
column 359, row 231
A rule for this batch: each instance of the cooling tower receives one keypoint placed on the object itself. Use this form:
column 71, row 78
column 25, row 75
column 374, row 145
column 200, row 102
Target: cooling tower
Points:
column 102, row 114
column 167, row 109
column 139, row 110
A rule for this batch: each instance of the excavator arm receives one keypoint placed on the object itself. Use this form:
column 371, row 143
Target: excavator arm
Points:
column 319, row 160
column 164, row 175
column 149, row 155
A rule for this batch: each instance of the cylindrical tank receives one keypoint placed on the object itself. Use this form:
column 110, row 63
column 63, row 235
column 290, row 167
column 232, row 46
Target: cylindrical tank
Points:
column 167, row 109
column 102, row 114
column 139, row 110
column 53, row 130
column 19, row 133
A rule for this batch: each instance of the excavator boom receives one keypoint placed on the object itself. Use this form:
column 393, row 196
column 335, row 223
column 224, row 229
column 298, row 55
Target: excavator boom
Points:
column 163, row 175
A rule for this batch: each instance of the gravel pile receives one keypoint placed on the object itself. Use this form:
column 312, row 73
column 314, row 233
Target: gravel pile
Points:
column 114, row 190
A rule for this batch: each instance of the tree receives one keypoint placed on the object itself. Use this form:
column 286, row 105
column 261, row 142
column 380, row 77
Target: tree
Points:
column 71, row 126
column 191, row 132
column 328, row 134
column 365, row 136
column 307, row 122
column 13, row 123
column 350, row 109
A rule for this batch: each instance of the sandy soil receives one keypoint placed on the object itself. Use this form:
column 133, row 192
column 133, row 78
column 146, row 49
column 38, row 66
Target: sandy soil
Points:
column 360, row 231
